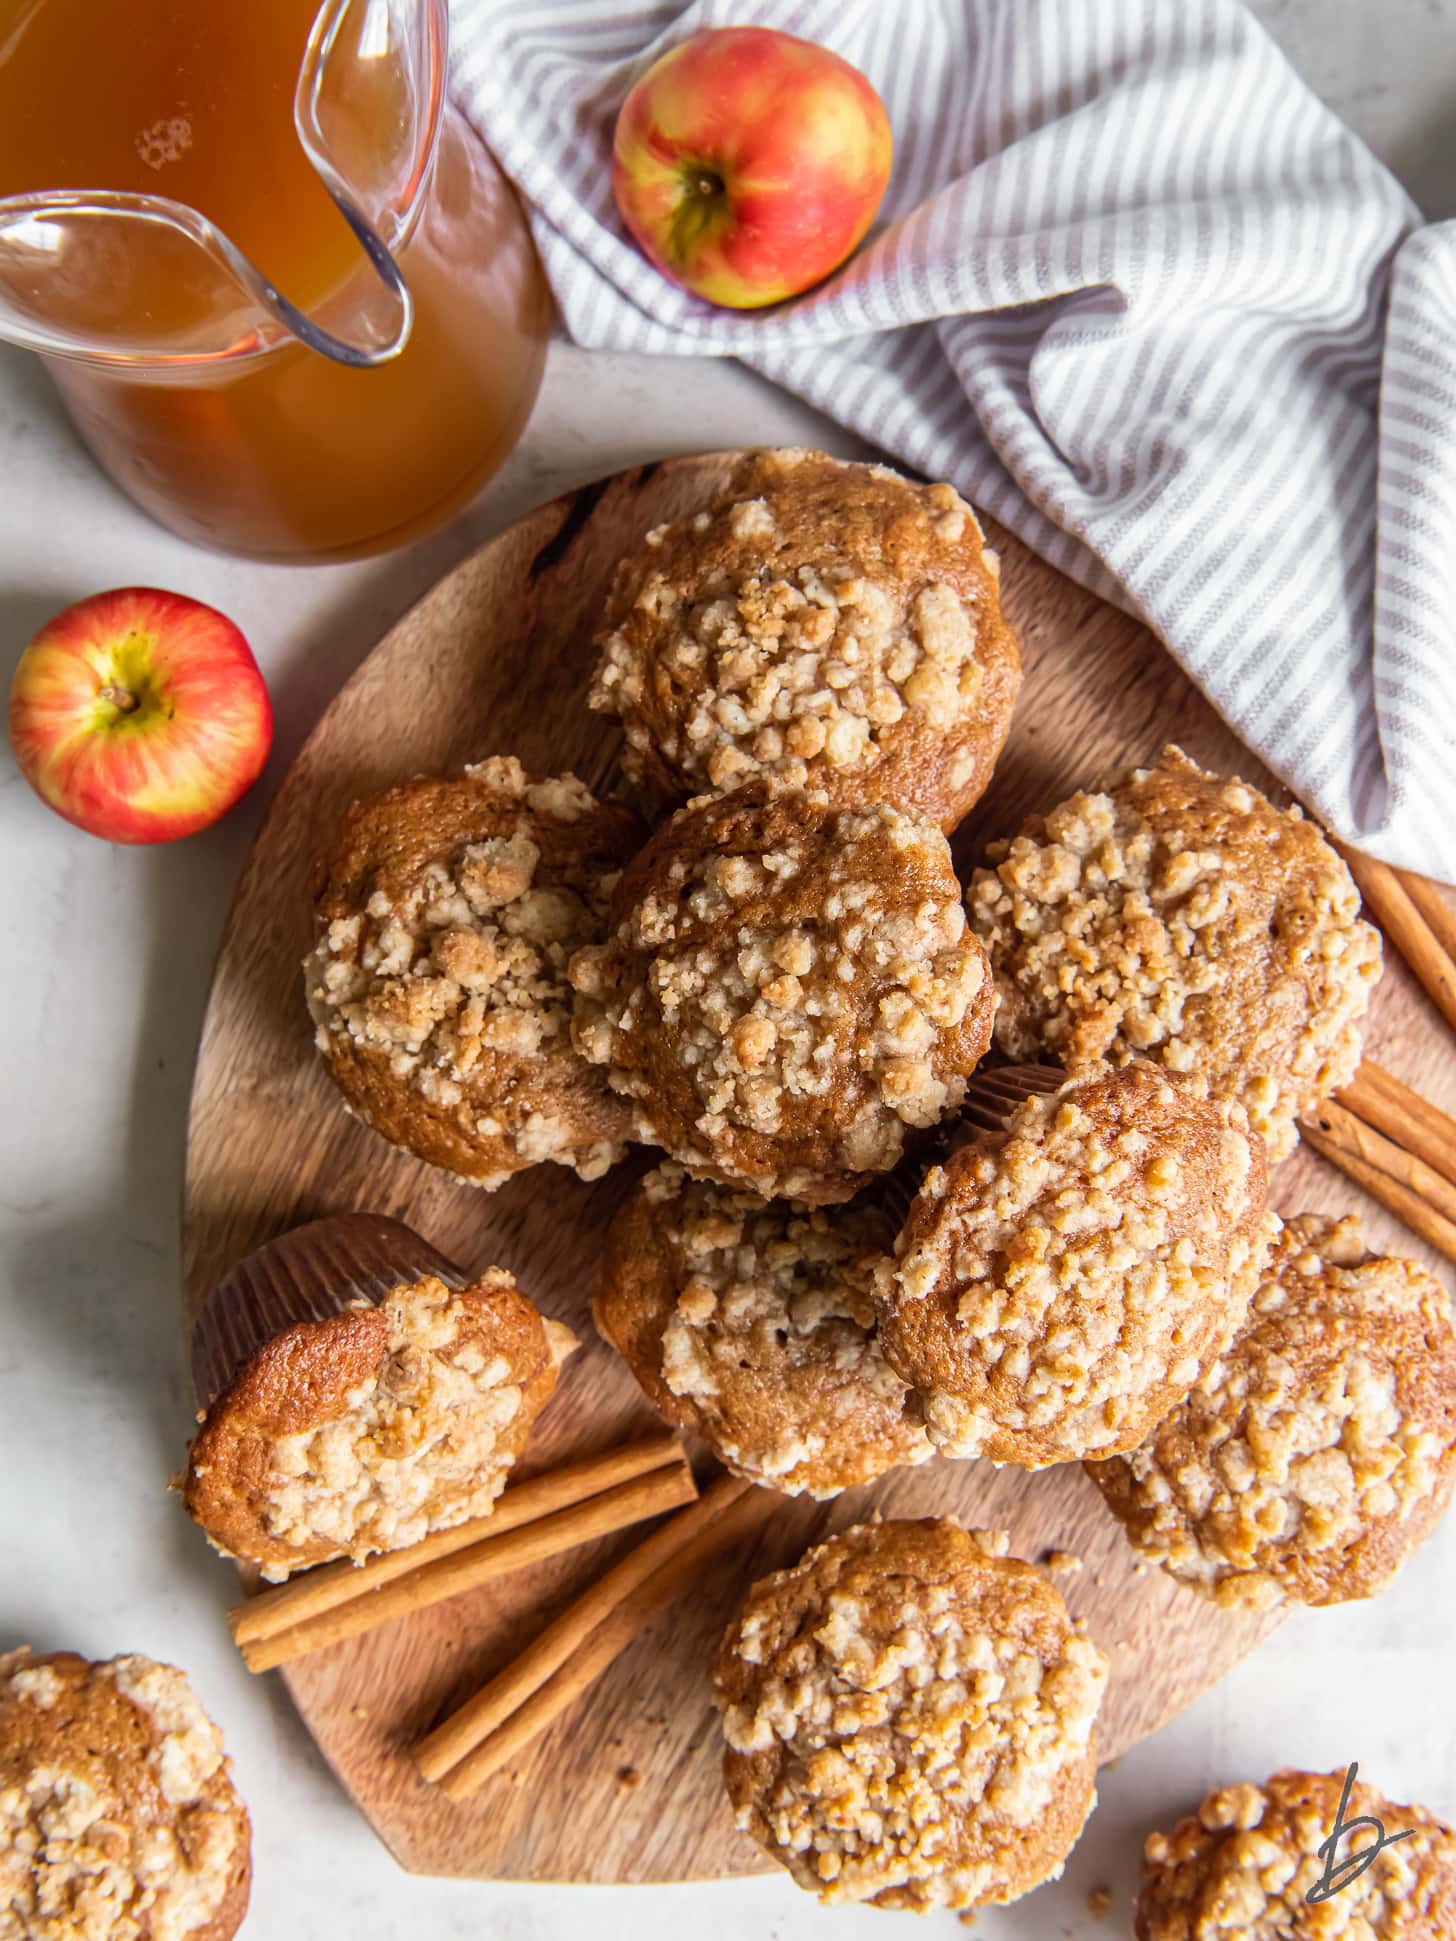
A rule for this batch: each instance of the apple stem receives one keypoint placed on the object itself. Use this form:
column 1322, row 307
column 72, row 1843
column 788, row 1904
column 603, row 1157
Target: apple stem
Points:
column 121, row 698
column 706, row 184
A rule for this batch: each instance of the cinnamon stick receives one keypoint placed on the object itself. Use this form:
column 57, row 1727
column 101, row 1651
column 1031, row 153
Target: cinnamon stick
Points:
column 1435, row 906
column 1398, row 915
column 328, row 1585
column 607, row 1643
column 1353, row 1135
column 598, row 1516
column 1379, row 1098
column 574, row 1650
column 1329, row 1132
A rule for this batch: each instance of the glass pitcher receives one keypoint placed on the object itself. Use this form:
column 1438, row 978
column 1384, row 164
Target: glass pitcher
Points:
column 358, row 373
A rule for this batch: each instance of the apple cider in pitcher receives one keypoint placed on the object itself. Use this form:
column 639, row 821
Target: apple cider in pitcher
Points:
column 197, row 385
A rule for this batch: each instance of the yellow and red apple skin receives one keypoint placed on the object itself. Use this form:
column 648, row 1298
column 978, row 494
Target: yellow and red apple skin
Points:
column 797, row 137
column 140, row 715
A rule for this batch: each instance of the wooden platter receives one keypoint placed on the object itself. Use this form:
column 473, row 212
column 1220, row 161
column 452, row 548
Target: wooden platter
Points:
column 494, row 660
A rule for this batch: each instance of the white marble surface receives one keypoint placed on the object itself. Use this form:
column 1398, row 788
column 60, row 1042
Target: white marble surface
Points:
column 105, row 978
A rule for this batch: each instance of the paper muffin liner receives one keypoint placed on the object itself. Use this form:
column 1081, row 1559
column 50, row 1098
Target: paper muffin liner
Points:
column 992, row 1097
column 307, row 1274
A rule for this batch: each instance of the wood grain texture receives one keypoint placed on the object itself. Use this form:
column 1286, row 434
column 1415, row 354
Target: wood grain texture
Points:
column 495, row 660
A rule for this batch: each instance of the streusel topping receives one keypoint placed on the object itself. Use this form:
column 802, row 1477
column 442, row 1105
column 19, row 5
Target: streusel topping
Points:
column 1059, row 1287
column 757, row 1319
column 830, row 624
column 1318, row 1451
column 421, row 1446
column 909, row 1718
column 1245, row 1862
column 1182, row 918
column 787, row 988
column 451, row 971
column 113, row 1826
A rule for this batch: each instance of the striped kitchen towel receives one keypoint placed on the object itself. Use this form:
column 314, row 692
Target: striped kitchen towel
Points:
column 1137, row 293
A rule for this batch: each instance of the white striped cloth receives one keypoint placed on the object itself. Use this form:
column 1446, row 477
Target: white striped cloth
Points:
column 1137, row 293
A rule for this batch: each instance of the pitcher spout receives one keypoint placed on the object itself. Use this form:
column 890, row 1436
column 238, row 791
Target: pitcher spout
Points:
column 125, row 278
column 305, row 318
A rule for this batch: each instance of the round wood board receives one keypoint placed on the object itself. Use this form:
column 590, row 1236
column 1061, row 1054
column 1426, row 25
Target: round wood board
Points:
column 496, row 660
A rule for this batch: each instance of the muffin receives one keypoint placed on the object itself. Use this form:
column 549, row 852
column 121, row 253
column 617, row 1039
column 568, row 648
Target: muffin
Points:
column 829, row 624
column 445, row 916
column 752, row 1321
column 368, row 1428
column 1245, row 1862
column 909, row 1719
column 1058, row 1287
column 1177, row 917
column 1319, row 1451
column 118, row 1818
column 786, row 990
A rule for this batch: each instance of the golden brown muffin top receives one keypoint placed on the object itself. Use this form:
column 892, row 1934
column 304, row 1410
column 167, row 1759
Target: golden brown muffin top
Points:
column 365, row 1431
column 786, row 988
column 1319, row 1450
column 830, row 624
column 909, row 1718
column 1058, row 1287
column 752, row 1321
column 118, row 1818
column 1243, row 1864
column 445, row 917
column 1175, row 916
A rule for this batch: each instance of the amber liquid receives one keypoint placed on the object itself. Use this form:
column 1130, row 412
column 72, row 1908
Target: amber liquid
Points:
column 284, row 453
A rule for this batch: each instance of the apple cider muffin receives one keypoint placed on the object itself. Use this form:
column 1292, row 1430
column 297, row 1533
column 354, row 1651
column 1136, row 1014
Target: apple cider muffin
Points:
column 366, row 1429
column 786, row 989
column 908, row 1715
column 118, row 1817
column 445, row 916
column 1245, row 1862
column 1320, row 1449
column 753, row 1322
column 1175, row 916
column 831, row 624
column 1056, row 1288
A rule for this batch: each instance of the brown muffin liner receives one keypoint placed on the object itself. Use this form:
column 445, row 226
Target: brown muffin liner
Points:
column 307, row 1274
column 992, row 1097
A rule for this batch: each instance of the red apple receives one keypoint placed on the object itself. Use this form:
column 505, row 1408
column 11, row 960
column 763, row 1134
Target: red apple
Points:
column 140, row 715
column 748, row 163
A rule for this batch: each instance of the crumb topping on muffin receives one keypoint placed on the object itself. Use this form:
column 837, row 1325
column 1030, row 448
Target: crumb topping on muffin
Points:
column 825, row 623
column 366, row 1432
column 909, row 1718
column 426, row 1424
column 447, row 967
column 1320, row 1448
column 1179, row 917
column 1244, row 1863
column 118, row 1820
column 1058, row 1287
column 787, row 988
column 753, row 1321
